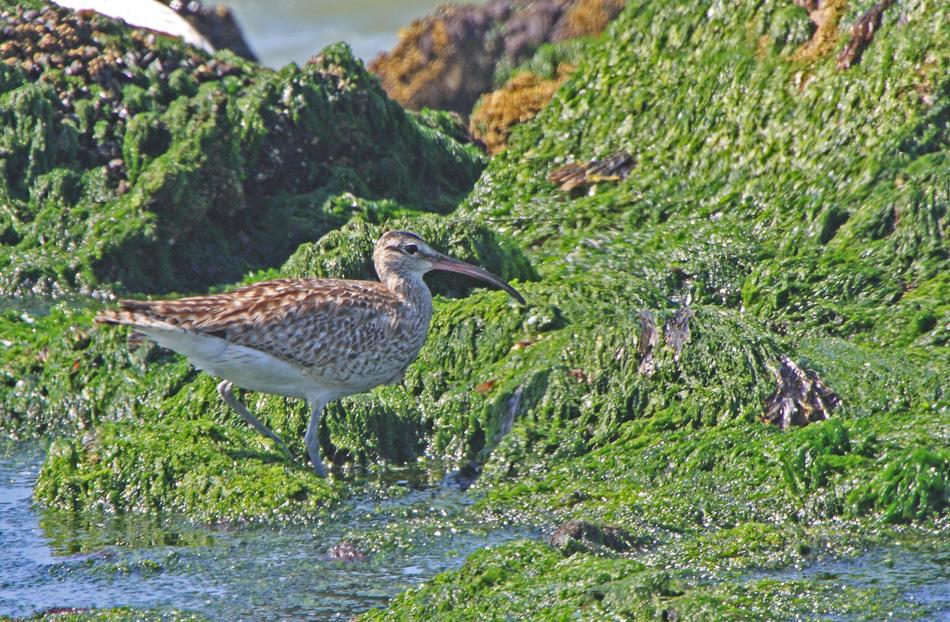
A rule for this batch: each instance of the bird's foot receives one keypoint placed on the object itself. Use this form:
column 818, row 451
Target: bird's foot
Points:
column 318, row 468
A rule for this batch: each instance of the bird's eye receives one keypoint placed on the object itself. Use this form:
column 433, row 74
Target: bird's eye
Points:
column 411, row 249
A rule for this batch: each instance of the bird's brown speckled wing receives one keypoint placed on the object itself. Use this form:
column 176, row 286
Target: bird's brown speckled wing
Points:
column 311, row 322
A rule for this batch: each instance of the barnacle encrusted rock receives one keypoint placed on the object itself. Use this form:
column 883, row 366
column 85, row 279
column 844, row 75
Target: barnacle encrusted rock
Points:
column 127, row 157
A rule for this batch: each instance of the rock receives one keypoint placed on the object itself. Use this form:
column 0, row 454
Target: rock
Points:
column 447, row 60
column 149, row 164
column 218, row 25
column 578, row 535
column 800, row 398
column 346, row 551
column 208, row 29
column 149, row 14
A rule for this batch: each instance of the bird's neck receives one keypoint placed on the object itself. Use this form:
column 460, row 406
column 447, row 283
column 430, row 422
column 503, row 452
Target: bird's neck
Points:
column 411, row 289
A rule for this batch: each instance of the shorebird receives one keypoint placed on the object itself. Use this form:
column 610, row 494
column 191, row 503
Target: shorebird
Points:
column 313, row 339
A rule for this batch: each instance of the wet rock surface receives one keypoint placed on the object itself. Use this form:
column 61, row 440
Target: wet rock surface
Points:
column 801, row 398
column 576, row 536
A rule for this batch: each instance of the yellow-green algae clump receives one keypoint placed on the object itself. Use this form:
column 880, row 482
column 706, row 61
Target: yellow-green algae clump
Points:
column 798, row 209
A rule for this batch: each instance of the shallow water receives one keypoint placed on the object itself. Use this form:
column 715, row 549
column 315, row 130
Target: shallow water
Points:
column 918, row 571
column 254, row 572
column 294, row 30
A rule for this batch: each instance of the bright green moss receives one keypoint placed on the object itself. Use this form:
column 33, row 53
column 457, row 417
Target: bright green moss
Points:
column 765, row 187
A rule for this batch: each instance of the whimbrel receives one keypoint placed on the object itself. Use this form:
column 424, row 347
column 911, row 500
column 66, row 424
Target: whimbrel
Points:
column 313, row 339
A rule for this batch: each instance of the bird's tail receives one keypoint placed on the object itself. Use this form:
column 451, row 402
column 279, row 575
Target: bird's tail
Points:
column 134, row 315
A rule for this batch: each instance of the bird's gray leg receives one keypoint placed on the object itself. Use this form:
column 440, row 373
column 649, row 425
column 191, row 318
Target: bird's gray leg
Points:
column 310, row 438
column 226, row 393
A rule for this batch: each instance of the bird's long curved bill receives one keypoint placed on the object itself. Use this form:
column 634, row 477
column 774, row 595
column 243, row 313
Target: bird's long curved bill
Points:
column 444, row 262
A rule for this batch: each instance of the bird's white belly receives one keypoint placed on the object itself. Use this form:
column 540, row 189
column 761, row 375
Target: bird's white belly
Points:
column 246, row 367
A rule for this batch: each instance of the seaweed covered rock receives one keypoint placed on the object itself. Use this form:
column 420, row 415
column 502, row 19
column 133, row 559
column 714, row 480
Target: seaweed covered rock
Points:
column 803, row 247
column 769, row 201
column 186, row 463
column 131, row 159
column 57, row 373
column 777, row 236
column 793, row 202
column 531, row 581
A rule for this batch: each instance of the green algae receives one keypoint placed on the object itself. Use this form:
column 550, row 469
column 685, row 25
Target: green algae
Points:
column 528, row 581
column 798, row 210
column 793, row 207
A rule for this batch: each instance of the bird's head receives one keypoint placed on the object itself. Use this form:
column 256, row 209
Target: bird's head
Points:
column 406, row 254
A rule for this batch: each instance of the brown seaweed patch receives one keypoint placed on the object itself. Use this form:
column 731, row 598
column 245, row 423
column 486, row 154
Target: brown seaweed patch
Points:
column 591, row 17
column 801, row 398
column 614, row 167
column 826, row 16
column 862, row 32
column 519, row 100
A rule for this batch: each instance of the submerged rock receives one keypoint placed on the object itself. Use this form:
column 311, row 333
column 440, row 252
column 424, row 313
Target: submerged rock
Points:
column 576, row 535
column 346, row 551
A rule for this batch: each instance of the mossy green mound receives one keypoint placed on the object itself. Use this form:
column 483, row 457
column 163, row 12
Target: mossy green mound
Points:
column 532, row 581
column 799, row 209
column 129, row 159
